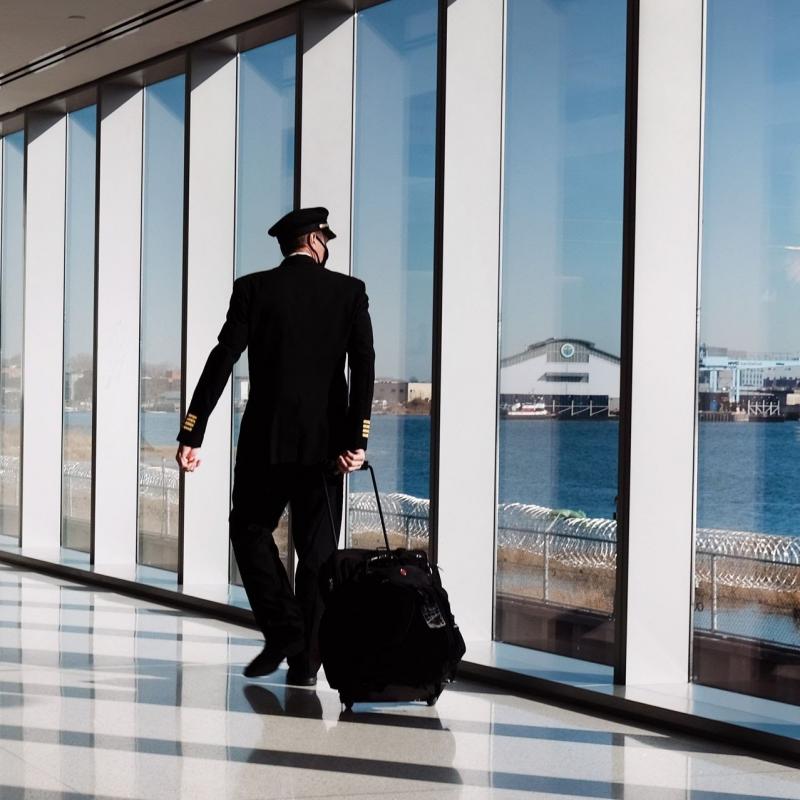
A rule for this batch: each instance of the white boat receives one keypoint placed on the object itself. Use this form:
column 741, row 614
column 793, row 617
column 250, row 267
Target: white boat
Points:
column 527, row 410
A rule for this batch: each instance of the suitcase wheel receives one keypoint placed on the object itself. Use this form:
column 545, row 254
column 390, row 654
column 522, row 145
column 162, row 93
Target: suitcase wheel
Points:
column 347, row 702
column 433, row 697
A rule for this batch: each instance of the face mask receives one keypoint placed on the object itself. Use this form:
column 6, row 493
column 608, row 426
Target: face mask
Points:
column 325, row 257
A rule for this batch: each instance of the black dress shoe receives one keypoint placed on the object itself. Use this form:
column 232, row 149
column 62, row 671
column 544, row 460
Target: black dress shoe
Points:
column 296, row 677
column 269, row 659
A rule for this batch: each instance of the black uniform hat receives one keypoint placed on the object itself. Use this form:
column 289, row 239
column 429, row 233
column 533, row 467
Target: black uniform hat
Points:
column 303, row 220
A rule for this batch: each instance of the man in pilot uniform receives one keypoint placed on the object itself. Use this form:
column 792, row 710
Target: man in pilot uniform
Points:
column 300, row 430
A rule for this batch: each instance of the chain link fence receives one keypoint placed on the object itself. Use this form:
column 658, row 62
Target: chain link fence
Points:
column 746, row 583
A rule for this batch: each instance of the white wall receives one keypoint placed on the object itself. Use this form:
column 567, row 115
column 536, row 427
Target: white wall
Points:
column 473, row 131
column 209, row 278
column 116, row 410
column 665, row 342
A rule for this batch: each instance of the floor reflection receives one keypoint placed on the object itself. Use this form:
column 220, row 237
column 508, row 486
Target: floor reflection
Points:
column 104, row 696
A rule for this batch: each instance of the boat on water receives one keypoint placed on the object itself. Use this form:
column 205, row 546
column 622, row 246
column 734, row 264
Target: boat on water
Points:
column 536, row 410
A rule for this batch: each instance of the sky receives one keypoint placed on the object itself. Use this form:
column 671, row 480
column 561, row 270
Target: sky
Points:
column 79, row 248
column 12, row 149
column 162, row 223
column 563, row 172
column 750, row 275
column 395, row 138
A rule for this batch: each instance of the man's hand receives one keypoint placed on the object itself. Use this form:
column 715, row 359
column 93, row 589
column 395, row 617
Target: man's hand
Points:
column 350, row 461
column 188, row 458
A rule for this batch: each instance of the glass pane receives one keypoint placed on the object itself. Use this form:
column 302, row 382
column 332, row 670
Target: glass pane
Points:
column 264, row 189
column 161, row 319
column 747, row 579
column 561, row 317
column 76, row 488
column 12, row 235
column 395, row 162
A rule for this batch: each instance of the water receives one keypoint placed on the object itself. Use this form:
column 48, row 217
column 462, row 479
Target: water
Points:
column 749, row 473
column 571, row 465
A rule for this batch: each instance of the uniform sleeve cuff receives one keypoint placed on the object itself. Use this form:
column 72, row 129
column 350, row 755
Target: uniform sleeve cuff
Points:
column 191, row 432
column 194, row 439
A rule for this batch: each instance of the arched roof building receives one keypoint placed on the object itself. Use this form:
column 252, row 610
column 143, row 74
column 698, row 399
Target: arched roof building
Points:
column 561, row 367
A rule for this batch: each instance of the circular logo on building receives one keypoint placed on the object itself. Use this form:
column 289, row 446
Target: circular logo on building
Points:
column 567, row 350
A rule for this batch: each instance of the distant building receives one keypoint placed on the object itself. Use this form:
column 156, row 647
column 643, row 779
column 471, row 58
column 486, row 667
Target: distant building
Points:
column 420, row 392
column 389, row 391
column 561, row 367
column 241, row 389
column 401, row 392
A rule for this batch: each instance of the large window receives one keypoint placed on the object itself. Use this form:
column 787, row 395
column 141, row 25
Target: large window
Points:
column 161, row 321
column 747, row 604
column 12, row 160
column 394, row 188
column 561, row 321
column 76, row 499
column 264, row 188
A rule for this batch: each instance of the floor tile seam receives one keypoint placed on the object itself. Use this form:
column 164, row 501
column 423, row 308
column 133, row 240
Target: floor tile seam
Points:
column 311, row 752
column 389, row 794
column 37, row 768
column 609, row 779
column 139, row 635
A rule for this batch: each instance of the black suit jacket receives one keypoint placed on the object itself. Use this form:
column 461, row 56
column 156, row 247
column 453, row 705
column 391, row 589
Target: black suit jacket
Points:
column 298, row 321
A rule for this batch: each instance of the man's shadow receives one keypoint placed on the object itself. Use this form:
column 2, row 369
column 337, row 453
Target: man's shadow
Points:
column 298, row 703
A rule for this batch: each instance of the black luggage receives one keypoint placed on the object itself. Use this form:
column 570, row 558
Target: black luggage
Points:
column 387, row 633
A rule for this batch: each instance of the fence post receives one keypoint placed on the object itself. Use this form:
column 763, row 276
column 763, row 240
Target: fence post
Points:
column 165, row 508
column 546, row 566
column 713, row 592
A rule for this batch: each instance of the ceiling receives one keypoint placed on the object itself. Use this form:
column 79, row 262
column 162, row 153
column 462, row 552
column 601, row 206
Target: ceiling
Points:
column 48, row 47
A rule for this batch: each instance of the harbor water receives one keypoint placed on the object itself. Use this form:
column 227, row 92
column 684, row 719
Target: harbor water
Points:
column 748, row 479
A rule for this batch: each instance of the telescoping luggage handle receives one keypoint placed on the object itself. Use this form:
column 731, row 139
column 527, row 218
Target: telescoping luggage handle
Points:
column 365, row 466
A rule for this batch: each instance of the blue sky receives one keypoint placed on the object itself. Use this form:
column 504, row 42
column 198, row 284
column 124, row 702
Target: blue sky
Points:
column 564, row 159
column 13, row 155
column 751, row 205
column 395, row 140
column 79, row 249
column 563, row 178
column 162, row 222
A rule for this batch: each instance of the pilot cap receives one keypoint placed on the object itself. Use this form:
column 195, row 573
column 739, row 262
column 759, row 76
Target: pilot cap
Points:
column 303, row 220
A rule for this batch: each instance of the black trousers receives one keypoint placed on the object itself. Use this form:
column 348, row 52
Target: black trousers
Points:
column 260, row 495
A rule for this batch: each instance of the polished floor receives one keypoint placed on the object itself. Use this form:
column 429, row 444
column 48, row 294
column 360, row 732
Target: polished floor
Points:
column 103, row 696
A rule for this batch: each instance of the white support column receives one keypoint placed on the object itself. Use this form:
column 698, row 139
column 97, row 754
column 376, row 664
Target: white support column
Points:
column 209, row 278
column 46, row 146
column 116, row 415
column 661, row 549
column 472, row 191
column 327, row 130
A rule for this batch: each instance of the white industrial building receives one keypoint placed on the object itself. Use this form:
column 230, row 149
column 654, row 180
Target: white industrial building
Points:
column 561, row 367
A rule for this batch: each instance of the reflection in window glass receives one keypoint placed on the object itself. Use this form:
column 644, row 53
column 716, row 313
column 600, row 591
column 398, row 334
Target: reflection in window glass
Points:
column 161, row 319
column 747, row 602
column 76, row 489
column 395, row 161
column 264, row 187
column 561, row 317
column 12, row 236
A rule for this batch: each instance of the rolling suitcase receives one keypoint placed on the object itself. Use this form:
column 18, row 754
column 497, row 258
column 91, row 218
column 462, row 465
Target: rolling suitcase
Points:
column 387, row 633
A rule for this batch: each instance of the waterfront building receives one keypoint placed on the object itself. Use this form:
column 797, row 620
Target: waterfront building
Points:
column 561, row 367
column 554, row 205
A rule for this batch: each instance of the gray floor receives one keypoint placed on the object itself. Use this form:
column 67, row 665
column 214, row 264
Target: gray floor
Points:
column 103, row 696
